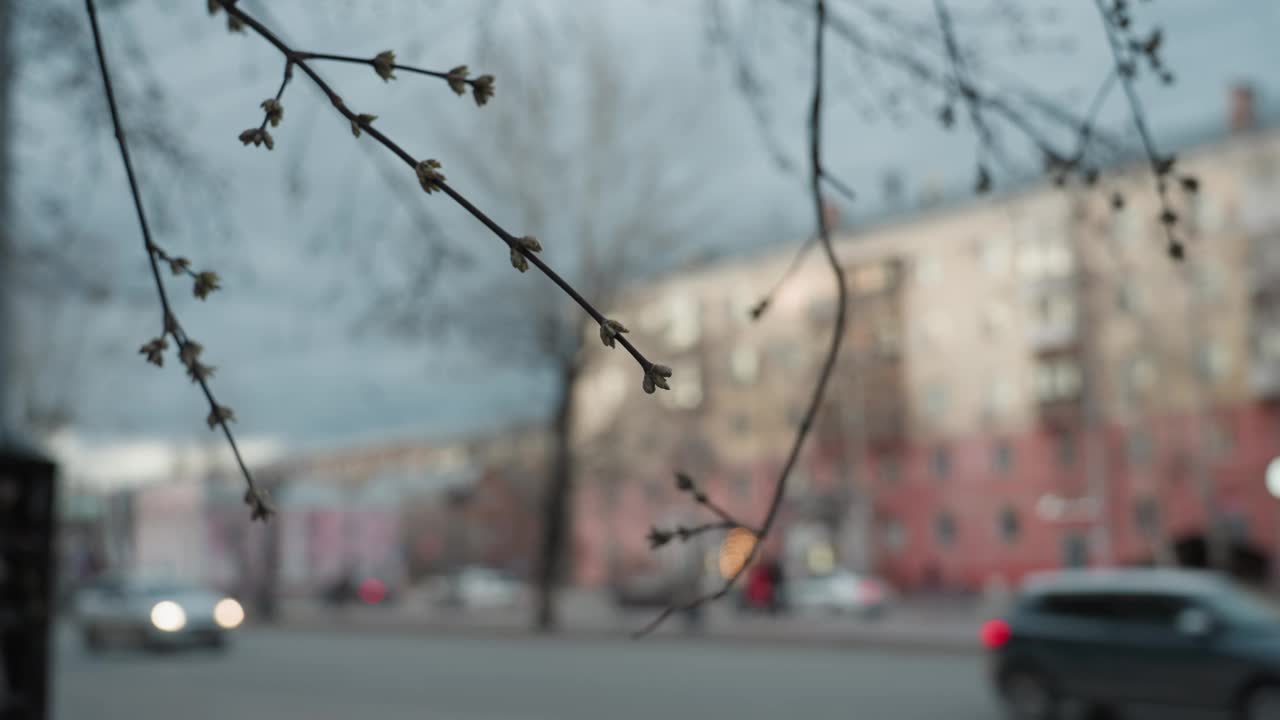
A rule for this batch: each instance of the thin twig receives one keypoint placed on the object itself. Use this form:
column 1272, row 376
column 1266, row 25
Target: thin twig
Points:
column 300, row 60
column 724, row 515
column 988, row 143
column 473, row 82
column 841, row 186
column 837, row 333
column 1160, row 166
column 762, row 305
column 218, row 414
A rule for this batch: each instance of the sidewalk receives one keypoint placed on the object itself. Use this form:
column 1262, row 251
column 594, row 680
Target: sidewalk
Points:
column 925, row 626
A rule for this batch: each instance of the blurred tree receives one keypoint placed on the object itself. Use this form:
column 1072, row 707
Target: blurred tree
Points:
column 8, row 405
column 582, row 158
column 51, row 302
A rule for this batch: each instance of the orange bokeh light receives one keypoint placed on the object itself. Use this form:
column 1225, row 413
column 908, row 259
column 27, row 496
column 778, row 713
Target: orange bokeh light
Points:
column 735, row 550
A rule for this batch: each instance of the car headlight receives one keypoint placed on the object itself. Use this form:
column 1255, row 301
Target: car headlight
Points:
column 228, row 613
column 168, row 616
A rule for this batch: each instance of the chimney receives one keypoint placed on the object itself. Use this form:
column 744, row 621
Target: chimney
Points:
column 1243, row 116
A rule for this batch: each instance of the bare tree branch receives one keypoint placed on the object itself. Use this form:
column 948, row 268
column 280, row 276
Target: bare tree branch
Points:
column 188, row 350
column 1117, row 23
column 833, row 351
column 523, row 249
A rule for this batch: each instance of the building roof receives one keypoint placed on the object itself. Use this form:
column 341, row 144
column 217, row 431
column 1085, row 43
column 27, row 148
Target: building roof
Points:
column 1204, row 137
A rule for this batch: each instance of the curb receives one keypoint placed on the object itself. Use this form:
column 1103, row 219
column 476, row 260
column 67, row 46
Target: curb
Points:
column 949, row 644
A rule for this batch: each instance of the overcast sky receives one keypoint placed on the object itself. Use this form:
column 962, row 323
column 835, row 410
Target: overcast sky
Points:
column 299, row 235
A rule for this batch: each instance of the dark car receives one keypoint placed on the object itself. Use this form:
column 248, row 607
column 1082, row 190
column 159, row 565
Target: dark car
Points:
column 1112, row 638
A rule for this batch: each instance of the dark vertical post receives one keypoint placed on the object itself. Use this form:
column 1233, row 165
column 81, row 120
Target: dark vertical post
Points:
column 27, row 503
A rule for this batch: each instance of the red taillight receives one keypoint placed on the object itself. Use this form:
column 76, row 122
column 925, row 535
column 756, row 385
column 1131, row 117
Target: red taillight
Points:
column 372, row 591
column 995, row 633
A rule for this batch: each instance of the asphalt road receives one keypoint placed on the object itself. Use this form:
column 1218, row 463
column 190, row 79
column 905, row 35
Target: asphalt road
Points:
column 291, row 675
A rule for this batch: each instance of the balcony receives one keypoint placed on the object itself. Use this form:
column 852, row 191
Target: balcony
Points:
column 1051, row 337
column 1059, row 389
column 1053, row 323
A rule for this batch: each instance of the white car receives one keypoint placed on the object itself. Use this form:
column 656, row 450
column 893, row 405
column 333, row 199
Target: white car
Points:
column 154, row 613
column 478, row 588
column 841, row 592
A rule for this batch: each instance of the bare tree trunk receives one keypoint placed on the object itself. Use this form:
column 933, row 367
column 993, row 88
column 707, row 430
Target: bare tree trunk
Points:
column 8, row 324
column 556, row 519
column 268, row 586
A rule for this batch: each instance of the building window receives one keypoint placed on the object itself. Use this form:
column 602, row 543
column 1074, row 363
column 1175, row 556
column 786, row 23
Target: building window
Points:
column 889, row 469
column 1002, row 457
column 1206, row 280
column 1221, row 440
column 887, row 340
column 1058, row 380
column 995, row 254
column 787, row 354
column 744, row 364
column 1213, row 360
column 1235, row 527
column 944, row 529
column 1045, row 257
column 1127, row 299
column 871, row 278
column 1140, row 375
column 1267, row 344
column 1146, row 516
column 822, row 310
column 1002, row 396
column 1075, row 549
column 686, row 387
column 1056, row 310
column 1207, row 212
column 940, row 461
column 1127, row 226
column 654, row 318
column 1140, row 447
column 1008, row 525
column 929, row 270
column 740, row 306
column 653, row 490
column 936, row 327
column 1065, row 449
column 799, row 482
column 995, row 318
column 935, row 400
column 684, row 327
column 893, row 534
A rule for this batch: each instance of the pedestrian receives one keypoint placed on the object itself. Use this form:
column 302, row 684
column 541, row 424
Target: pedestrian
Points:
column 758, row 590
column 776, row 581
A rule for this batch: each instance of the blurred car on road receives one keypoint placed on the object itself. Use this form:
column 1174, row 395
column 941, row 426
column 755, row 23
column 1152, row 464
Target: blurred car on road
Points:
column 1113, row 639
column 154, row 613
column 477, row 588
column 649, row 590
column 840, row 592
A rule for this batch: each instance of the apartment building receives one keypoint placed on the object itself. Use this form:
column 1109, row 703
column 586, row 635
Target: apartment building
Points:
column 1027, row 382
